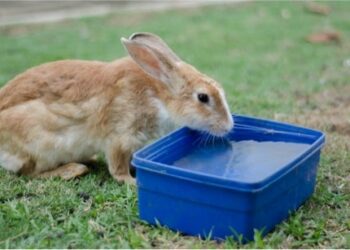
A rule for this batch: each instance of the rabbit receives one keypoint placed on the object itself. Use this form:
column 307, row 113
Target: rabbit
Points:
column 56, row 116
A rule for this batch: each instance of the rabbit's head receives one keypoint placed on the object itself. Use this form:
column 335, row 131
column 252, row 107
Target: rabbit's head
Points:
column 192, row 98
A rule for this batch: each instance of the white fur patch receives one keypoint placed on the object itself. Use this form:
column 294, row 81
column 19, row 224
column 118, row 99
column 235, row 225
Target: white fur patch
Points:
column 165, row 123
column 10, row 162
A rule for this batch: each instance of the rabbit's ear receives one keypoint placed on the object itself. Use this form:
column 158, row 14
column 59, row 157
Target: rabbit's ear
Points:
column 152, row 55
column 154, row 41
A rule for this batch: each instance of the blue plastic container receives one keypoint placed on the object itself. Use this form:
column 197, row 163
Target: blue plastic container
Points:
column 183, row 181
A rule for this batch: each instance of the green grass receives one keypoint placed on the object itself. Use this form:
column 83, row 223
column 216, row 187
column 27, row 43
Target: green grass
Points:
column 264, row 64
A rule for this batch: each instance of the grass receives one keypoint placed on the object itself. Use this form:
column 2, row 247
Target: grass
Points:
column 258, row 52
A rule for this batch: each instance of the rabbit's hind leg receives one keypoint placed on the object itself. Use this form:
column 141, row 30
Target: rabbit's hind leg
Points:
column 66, row 172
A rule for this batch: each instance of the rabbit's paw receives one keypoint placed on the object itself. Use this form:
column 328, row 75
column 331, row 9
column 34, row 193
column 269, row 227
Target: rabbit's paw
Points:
column 126, row 179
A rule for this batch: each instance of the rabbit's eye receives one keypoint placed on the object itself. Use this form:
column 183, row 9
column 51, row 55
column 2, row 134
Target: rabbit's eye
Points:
column 204, row 98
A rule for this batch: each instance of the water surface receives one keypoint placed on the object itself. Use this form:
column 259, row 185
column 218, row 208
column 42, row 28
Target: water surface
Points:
column 244, row 161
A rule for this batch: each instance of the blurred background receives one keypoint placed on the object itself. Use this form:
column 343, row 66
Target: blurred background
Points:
column 15, row 12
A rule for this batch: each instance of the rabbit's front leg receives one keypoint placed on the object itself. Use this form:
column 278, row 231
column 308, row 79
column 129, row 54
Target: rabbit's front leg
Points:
column 118, row 159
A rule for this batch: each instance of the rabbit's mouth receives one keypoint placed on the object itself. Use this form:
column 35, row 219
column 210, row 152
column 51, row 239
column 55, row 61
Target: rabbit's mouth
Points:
column 217, row 131
column 221, row 130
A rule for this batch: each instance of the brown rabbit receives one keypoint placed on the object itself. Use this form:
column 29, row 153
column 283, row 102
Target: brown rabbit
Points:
column 57, row 115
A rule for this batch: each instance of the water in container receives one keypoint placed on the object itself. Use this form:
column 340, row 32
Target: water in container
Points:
column 243, row 161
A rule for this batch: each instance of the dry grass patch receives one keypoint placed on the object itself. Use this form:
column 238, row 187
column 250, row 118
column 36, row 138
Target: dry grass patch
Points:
column 328, row 110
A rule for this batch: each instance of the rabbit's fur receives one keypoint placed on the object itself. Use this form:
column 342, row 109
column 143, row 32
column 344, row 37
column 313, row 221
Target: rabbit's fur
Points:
column 67, row 111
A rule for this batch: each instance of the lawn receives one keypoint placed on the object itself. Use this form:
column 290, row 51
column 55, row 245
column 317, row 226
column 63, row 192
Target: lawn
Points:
column 259, row 54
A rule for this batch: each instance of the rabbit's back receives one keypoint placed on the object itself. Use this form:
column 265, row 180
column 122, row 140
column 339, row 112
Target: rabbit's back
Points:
column 68, row 80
